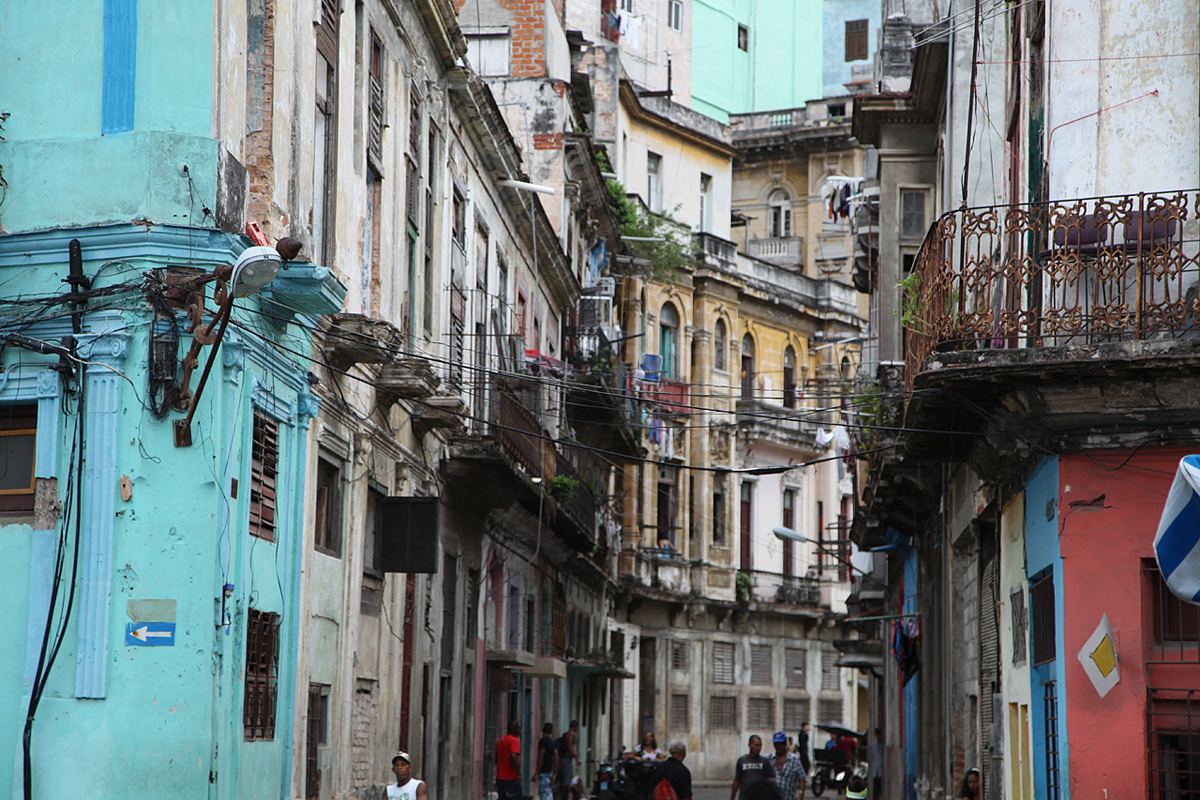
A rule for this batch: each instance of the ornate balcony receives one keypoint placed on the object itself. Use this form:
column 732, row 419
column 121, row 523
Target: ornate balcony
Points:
column 1071, row 273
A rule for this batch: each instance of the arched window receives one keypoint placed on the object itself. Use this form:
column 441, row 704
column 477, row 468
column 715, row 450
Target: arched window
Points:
column 719, row 345
column 789, row 378
column 668, row 341
column 747, row 367
column 779, row 215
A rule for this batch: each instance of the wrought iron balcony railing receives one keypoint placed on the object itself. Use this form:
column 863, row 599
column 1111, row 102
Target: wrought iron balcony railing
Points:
column 1063, row 273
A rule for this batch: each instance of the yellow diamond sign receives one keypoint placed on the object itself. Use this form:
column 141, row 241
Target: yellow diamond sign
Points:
column 1098, row 657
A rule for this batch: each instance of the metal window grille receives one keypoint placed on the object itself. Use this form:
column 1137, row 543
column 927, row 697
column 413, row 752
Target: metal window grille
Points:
column 723, row 713
column 317, row 727
column 1050, row 700
column 794, row 659
column 679, row 712
column 760, row 665
column 262, row 665
column 829, row 709
column 1174, row 624
column 760, row 713
column 795, row 713
column 1173, row 743
column 1041, row 613
column 679, row 655
column 830, row 675
column 264, row 468
column 1019, row 625
column 722, row 662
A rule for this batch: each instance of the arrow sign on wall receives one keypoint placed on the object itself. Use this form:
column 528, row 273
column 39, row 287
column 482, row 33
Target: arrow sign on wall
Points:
column 150, row 634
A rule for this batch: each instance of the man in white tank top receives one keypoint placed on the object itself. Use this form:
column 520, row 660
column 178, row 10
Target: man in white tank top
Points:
column 406, row 786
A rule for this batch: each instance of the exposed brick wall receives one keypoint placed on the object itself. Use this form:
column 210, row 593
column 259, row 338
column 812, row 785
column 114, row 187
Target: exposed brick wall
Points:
column 528, row 42
column 547, row 141
column 260, row 166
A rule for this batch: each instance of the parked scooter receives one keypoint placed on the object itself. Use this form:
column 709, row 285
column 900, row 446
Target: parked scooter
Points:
column 831, row 772
column 604, row 785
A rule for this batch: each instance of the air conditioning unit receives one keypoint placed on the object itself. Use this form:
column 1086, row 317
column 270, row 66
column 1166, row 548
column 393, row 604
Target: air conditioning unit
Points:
column 607, row 286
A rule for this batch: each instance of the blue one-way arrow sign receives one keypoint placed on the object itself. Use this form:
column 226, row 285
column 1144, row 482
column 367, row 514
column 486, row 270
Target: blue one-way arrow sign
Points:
column 150, row 634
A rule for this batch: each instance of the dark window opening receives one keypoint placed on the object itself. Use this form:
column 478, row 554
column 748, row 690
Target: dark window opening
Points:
column 317, row 736
column 328, row 534
column 18, row 447
column 1041, row 618
column 743, row 38
column 262, row 675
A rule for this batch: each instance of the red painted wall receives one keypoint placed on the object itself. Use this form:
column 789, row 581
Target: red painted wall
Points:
column 1108, row 514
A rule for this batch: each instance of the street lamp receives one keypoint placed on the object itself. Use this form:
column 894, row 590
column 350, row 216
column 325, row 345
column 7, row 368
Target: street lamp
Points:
column 787, row 534
column 254, row 269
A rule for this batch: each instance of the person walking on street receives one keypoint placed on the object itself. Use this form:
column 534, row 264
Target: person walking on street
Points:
column 567, row 759
column 673, row 771
column 649, row 755
column 788, row 769
column 406, row 787
column 508, row 764
column 804, row 748
column 547, row 762
column 751, row 769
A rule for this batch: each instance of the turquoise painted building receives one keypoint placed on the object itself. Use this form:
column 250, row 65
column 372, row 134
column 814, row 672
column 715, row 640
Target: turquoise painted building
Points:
column 763, row 55
column 151, row 602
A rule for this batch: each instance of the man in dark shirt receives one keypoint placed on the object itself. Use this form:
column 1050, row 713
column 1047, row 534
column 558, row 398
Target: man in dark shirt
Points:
column 673, row 771
column 547, row 762
column 751, row 769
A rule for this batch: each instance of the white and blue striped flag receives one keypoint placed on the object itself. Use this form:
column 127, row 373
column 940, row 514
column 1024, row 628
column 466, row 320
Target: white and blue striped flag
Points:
column 1177, row 544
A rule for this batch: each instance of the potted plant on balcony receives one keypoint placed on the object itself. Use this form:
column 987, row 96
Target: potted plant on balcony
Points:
column 563, row 487
column 741, row 587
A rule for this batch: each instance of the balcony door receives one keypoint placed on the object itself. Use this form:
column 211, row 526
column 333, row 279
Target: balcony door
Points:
column 747, row 512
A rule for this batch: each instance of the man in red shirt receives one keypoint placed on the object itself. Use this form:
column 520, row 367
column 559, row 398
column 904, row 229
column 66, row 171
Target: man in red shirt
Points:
column 508, row 764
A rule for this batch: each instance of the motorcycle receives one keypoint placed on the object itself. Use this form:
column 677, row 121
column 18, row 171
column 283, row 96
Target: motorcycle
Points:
column 830, row 771
column 604, row 784
column 617, row 779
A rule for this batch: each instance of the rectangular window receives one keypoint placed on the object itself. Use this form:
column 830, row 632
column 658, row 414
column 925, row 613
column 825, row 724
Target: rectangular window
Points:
column 912, row 214
column 760, row 664
column 679, row 655
column 679, row 713
column 857, row 39
column 1041, row 619
column 722, row 662
column 718, row 519
column 317, row 736
column 675, row 15
column 264, row 468
column 760, row 713
column 789, row 521
column 706, row 202
column 627, row 5
column 830, row 672
column 373, row 533
column 723, row 713
column 829, row 709
column 328, row 534
column 261, row 675
column 653, row 181
column 667, row 500
column 795, row 713
column 414, row 123
column 490, row 53
column 1173, row 743
column 1173, row 622
column 324, row 159
column 18, row 446
column 376, row 114
column 743, row 38
column 794, row 672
